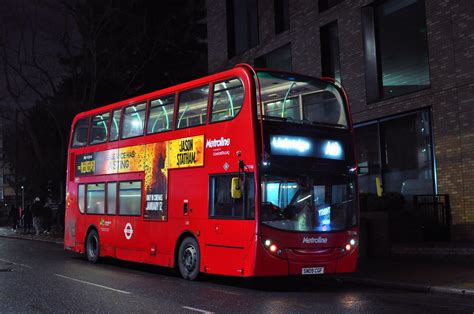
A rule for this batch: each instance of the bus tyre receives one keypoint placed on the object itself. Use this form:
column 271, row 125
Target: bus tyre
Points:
column 92, row 246
column 189, row 259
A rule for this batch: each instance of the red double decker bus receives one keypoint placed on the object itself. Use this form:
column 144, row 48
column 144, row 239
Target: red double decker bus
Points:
column 247, row 172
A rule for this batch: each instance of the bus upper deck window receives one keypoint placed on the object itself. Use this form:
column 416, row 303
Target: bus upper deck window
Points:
column 192, row 107
column 115, row 125
column 228, row 97
column 99, row 128
column 133, row 120
column 160, row 117
column 81, row 129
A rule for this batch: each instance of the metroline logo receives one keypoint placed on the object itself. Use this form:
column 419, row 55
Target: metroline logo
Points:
column 309, row 240
column 210, row 143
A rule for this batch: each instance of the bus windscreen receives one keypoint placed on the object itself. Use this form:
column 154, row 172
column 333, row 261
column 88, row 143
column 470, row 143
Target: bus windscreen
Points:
column 294, row 98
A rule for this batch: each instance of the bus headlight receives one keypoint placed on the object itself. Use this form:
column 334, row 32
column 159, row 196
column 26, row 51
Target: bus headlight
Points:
column 273, row 248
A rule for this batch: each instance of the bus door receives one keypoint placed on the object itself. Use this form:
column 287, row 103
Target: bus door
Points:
column 129, row 227
column 231, row 223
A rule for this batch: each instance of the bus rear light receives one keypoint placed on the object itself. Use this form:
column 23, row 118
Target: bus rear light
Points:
column 348, row 247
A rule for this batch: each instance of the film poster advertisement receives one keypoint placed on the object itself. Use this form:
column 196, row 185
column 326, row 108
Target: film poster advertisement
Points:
column 153, row 159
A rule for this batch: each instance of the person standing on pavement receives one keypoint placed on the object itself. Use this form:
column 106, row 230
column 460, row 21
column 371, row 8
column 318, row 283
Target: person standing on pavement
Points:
column 13, row 216
column 37, row 212
column 27, row 219
column 47, row 213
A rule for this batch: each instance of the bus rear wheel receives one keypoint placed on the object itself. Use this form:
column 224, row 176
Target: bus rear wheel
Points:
column 92, row 246
column 189, row 258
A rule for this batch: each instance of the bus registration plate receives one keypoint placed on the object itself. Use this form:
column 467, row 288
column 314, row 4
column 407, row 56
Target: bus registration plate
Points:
column 312, row 270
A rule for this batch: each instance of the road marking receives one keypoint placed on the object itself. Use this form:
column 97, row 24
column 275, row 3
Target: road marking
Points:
column 18, row 264
column 226, row 292
column 197, row 310
column 93, row 284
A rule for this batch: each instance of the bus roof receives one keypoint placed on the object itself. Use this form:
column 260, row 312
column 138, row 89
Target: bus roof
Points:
column 242, row 68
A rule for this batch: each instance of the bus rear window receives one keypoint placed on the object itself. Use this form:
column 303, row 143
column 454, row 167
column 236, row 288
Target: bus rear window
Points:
column 79, row 137
column 193, row 107
column 228, row 97
column 99, row 128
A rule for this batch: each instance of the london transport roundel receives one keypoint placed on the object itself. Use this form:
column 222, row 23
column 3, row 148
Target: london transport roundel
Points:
column 128, row 231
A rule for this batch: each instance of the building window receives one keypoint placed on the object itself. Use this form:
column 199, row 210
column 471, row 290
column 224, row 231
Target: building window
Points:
column 133, row 120
column 396, row 48
column 223, row 205
column 192, row 107
column 278, row 59
column 396, row 155
column 242, row 26
column 330, row 64
column 282, row 16
column 327, row 4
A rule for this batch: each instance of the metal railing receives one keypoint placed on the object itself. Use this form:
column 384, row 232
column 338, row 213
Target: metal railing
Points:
column 434, row 211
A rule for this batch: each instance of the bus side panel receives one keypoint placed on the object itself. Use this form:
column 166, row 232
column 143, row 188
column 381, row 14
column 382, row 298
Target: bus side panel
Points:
column 71, row 218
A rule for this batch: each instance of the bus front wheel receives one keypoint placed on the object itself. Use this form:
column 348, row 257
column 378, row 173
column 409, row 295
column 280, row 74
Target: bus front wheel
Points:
column 92, row 246
column 189, row 259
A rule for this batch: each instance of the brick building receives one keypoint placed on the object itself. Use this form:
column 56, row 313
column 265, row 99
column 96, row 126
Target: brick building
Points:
column 408, row 67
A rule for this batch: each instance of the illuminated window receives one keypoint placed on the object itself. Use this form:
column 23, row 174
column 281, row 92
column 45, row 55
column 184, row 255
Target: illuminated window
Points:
column 130, row 198
column 79, row 137
column 133, row 120
column 397, row 152
column 228, row 97
column 192, row 107
column 160, row 118
column 95, row 200
column 99, row 128
column 115, row 125
column 81, row 199
column 111, row 198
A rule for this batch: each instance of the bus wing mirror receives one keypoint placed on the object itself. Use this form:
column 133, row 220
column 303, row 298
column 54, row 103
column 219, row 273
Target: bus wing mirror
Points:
column 236, row 189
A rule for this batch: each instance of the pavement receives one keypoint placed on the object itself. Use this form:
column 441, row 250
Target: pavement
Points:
column 423, row 275
column 55, row 236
